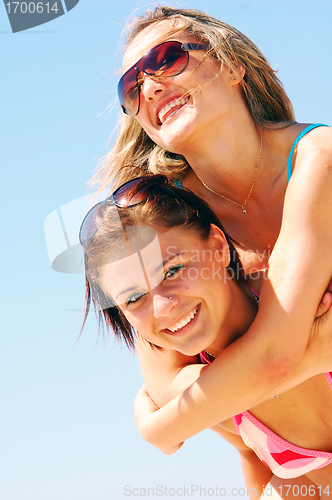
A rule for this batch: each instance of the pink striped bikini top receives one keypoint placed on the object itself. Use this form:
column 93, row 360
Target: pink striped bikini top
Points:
column 286, row 460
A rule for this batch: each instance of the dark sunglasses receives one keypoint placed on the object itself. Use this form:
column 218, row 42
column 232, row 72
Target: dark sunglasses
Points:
column 165, row 60
column 129, row 194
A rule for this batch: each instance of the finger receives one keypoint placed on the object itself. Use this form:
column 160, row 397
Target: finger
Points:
column 324, row 305
column 328, row 314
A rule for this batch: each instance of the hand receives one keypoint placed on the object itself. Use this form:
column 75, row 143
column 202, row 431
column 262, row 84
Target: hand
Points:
column 145, row 407
column 325, row 303
column 319, row 349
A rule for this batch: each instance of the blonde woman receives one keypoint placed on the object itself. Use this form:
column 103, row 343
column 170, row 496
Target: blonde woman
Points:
column 204, row 107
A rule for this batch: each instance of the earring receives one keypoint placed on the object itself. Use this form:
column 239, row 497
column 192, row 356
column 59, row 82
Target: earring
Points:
column 234, row 78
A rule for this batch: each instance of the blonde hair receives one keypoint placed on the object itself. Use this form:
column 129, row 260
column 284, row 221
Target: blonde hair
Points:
column 134, row 153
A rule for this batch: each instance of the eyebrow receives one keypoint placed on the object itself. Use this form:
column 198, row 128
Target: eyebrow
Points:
column 157, row 269
column 171, row 257
column 129, row 289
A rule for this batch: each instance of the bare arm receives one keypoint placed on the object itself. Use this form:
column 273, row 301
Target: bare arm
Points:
column 169, row 373
column 166, row 373
column 180, row 377
column 253, row 367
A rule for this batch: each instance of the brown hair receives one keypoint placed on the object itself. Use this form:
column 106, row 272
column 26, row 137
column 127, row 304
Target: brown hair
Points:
column 262, row 91
column 183, row 209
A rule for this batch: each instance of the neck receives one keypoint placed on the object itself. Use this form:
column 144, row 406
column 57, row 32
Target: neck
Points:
column 235, row 324
column 225, row 161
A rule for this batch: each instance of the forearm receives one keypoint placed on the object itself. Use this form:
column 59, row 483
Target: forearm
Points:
column 227, row 387
column 243, row 373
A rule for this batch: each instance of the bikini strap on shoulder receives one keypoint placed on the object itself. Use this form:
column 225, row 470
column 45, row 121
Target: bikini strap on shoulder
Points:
column 299, row 137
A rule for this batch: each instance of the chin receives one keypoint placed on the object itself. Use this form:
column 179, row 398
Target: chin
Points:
column 190, row 351
column 175, row 139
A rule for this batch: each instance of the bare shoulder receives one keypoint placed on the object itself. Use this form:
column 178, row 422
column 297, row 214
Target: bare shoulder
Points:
column 312, row 162
column 284, row 135
column 315, row 146
column 162, row 367
column 318, row 137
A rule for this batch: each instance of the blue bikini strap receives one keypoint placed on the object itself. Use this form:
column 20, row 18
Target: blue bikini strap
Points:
column 178, row 183
column 299, row 137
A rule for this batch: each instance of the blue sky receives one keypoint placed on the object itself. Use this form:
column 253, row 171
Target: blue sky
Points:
column 66, row 414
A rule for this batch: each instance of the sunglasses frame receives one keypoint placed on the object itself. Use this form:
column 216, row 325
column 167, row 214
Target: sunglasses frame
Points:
column 186, row 47
column 143, row 182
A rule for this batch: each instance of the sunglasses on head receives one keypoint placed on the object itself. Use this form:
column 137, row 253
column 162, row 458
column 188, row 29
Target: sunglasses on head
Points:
column 165, row 60
column 129, row 194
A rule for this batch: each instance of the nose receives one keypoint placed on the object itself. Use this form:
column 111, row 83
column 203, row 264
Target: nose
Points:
column 162, row 306
column 151, row 86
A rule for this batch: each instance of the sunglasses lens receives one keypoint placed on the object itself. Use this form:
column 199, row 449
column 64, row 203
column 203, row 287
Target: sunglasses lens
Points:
column 136, row 191
column 167, row 59
column 131, row 193
column 128, row 92
column 88, row 227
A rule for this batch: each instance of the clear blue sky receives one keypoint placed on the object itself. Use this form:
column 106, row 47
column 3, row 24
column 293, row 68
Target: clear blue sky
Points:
column 66, row 413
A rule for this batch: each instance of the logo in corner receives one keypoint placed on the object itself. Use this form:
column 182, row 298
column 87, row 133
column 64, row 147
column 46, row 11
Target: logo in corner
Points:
column 25, row 15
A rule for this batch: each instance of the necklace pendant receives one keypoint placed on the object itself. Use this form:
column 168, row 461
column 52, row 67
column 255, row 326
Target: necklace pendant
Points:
column 244, row 211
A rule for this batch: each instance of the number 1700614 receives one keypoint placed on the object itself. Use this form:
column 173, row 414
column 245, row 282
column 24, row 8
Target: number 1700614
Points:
column 302, row 491
column 31, row 7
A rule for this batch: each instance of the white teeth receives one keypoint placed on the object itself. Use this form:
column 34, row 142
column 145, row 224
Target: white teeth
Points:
column 184, row 322
column 170, row 105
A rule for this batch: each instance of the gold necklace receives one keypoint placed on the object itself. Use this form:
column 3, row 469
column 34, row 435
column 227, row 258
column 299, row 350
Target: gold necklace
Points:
column 243, row 206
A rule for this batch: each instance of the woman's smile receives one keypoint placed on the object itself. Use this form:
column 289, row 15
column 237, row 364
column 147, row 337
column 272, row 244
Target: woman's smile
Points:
column 164, row 111
column 186, row 321
column 164, row 99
